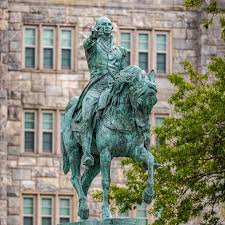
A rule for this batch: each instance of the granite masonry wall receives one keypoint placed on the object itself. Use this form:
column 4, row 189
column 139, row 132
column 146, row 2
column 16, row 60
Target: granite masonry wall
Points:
column 3, row 109
column 38, row 89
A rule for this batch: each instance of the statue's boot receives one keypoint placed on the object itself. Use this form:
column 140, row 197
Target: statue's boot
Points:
column 86, row 144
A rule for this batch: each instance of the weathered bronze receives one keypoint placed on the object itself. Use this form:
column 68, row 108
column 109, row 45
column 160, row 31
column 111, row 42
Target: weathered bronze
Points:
column 110, row 118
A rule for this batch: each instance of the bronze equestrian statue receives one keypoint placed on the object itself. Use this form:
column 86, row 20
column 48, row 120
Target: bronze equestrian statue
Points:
column 110, row 118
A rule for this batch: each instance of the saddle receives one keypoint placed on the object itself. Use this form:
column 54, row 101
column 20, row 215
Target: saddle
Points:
column 115, row 121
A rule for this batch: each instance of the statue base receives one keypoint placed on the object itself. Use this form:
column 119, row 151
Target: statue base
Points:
column 111, row 221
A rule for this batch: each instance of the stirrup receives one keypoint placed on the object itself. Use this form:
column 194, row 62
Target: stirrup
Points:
column 88, row 160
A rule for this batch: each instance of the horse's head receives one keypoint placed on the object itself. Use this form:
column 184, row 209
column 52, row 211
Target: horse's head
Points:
column 142, row 88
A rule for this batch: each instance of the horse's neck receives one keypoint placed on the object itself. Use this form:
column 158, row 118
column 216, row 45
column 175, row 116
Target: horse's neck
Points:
column 120, row 103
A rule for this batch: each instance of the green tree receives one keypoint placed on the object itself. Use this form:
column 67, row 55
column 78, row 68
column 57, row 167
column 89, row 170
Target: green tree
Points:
column 212, row 8
column 192, row 146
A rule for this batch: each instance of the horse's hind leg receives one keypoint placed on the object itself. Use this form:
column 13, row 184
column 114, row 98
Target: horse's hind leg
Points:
column 89, row 174
column 75, row 162
column 142, row 155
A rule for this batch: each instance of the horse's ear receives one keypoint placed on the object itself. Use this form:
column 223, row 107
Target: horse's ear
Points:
column 151, row 76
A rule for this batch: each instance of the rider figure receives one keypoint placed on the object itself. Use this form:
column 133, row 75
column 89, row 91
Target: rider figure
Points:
column 105, row 60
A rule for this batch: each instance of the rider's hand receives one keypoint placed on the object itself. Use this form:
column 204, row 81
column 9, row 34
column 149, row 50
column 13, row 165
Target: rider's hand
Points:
column 94, row 32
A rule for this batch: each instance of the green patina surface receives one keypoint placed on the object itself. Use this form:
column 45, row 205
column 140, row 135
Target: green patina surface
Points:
column 110, row 119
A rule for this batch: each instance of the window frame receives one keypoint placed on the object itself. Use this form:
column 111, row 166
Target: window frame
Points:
column 132, row 47
column 38, row 141
column 33, row 130
column 54, row 46
column 39, row 52
column 69, row 28
column 52, row 216
column 149, row 33
column 158, row 32
column 70, row 207
column 53, row 112
column 152, row 54
column 35, row 27
column 34, row 208
column 37, row 206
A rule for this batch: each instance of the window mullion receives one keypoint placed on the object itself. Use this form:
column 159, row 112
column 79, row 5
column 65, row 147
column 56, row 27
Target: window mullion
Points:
column 58, row 48
column 40, row 43
column 39, row 132
column 153, row 50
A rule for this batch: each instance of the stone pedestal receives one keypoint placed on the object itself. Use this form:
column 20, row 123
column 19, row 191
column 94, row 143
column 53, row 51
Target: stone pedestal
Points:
column 112, row 221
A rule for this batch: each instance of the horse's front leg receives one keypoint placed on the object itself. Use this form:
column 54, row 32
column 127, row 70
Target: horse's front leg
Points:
column 142, row 155
column 105, row 162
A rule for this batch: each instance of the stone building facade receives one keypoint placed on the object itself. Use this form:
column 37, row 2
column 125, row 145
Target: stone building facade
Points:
column 42, row 65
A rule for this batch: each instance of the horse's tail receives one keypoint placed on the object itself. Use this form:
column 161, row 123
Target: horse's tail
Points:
column 67, row 133
column 66, row 162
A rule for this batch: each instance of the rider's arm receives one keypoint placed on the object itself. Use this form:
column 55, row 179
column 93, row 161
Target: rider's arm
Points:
column 91, row 40
column 124, row 56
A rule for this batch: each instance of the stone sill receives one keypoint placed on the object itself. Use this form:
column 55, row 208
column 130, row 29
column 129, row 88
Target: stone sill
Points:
column 52, row 71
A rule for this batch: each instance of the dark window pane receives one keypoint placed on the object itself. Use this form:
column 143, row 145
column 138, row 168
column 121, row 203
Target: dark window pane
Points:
column 64, row 220
column 161, row 62
column 30, row 57
column 29, row 141
column 66, row 59
column 27, row 220
column 143, row 60
column 47, row 142
column 46, row 221
column 48, row 58
column 127, row 60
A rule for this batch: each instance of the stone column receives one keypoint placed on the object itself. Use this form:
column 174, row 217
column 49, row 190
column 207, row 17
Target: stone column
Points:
column 3, row 110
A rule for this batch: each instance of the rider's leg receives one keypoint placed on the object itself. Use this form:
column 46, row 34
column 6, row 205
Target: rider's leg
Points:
column 88, row 107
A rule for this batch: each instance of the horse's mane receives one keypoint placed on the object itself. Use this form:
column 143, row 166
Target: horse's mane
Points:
column 125, row 78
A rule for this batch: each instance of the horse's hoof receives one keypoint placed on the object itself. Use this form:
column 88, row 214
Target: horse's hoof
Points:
column 148, row 197
column 83, row 213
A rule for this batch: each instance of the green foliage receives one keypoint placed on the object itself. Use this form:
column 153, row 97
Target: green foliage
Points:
column 212, row 8
column 192, row 151
column 189, row 4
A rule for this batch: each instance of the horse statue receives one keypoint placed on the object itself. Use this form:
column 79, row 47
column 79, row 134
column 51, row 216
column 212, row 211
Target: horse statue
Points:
column 121, row 126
